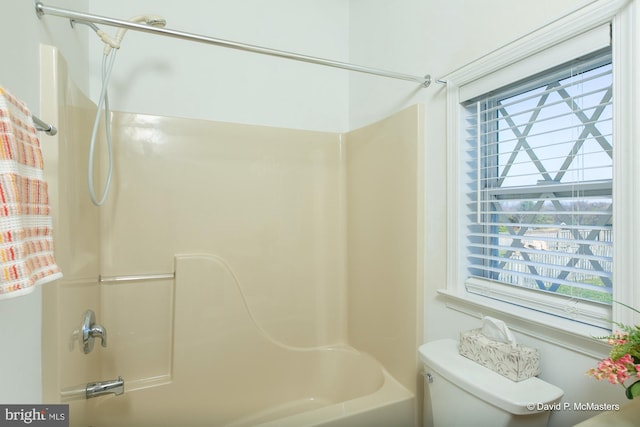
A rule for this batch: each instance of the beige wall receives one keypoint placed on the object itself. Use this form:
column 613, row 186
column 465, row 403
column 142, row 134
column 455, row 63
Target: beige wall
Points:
column 384, row 170
column 75, row 223
column 322, row 231
column 281, row 206
column 267, row 200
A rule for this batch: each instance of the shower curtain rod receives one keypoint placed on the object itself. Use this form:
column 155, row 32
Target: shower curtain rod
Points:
column 42, row 10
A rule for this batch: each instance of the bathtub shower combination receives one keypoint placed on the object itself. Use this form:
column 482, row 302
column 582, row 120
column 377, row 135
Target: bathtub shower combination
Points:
column 225, row 266
column 237, row 375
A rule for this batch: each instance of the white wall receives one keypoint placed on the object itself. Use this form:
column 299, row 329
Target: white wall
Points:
column 432, row 37
column 20, row 318
column 392, row 35
column 438, row 37
column 171, row 77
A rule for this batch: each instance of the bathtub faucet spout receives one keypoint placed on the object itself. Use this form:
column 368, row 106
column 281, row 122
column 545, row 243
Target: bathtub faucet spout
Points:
column 105, row 387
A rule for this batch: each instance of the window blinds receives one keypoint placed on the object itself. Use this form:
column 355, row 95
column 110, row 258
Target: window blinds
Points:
column 540, row 182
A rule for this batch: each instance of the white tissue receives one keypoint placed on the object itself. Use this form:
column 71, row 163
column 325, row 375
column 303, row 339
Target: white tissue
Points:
column 497, row 330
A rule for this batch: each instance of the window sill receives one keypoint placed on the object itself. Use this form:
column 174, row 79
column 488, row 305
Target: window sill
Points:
column 555, row 330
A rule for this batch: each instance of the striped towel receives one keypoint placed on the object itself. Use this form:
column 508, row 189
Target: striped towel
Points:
column 26, row 243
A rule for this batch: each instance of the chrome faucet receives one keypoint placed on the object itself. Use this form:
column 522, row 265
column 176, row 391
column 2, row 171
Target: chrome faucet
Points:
column 91, row 330
column 105, row 387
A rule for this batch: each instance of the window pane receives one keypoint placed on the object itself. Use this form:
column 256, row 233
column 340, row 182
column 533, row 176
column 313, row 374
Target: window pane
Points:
column 541, row 201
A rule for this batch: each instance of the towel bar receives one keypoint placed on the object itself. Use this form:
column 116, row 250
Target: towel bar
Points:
column 43, row 126
column 136, row 278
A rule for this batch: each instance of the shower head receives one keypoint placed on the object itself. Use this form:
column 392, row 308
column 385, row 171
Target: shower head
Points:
column 152, row 20
column 155, row 21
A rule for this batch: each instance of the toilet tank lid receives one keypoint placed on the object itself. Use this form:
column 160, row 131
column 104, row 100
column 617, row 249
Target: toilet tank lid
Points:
column 443, row 358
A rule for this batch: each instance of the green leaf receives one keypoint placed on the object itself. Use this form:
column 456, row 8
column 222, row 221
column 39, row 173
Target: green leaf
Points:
column 633, row 390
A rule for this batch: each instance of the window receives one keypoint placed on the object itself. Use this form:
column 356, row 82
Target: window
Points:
column 540, row 191
column 540, row 175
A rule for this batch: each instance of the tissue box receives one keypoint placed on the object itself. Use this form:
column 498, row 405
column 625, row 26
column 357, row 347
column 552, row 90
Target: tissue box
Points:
column 516, row 363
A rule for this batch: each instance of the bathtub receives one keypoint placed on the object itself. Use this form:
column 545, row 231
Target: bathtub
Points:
column 227, row 371
column 342, row 388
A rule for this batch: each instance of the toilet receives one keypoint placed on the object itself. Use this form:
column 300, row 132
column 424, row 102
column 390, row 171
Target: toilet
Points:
column 461, row 392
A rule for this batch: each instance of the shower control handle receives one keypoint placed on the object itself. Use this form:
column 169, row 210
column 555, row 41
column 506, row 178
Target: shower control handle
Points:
column 91, row 331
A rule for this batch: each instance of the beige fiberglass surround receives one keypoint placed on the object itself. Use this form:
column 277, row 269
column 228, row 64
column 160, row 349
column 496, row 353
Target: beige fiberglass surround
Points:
column 309, row 239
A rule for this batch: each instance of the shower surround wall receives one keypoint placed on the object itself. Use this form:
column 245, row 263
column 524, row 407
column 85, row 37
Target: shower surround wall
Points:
column 272, row 203
column 321, row 229
column 65, row 368
column 269, row 201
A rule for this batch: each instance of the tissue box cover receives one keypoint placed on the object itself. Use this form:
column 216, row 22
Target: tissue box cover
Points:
column 516, row 363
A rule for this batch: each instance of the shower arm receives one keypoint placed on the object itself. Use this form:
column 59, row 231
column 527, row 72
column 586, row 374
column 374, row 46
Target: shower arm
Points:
column 42, row 10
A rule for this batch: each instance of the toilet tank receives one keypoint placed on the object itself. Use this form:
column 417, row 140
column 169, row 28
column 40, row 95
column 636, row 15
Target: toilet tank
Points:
column 461, row 392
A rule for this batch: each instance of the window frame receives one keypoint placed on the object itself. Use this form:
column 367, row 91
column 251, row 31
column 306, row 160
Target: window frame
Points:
column 594, row 312
column 620, row 15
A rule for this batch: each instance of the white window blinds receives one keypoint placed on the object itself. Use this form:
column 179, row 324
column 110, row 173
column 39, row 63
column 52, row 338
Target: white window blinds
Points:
column 540, row 164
